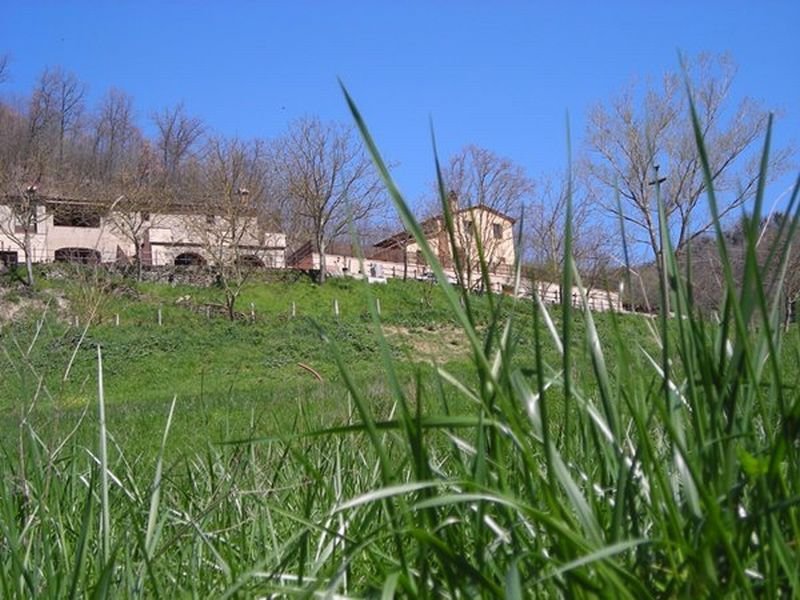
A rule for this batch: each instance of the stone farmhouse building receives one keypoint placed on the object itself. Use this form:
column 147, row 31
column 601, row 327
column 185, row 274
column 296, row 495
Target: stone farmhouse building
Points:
column 399, row 255
column 62, row 229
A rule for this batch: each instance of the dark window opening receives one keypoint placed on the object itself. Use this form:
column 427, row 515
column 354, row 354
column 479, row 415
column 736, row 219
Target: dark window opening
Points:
column 75, row 216
column 25, row 220
column 189, row 259
column 145, row 216
column 9, row 259
column 210, row 219
column 250, row 261
column 82, row 256
column 497, row 229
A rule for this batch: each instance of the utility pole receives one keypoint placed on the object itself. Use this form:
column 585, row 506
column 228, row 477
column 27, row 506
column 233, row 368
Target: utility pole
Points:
column 662, row 258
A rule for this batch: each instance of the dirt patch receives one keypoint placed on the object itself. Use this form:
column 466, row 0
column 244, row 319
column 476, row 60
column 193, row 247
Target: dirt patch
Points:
column 15, row 304
column 436, row 344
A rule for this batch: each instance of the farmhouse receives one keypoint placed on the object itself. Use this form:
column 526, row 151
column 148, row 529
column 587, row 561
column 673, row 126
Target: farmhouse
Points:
column 64, row 229
column 399, row 255
column 51, row 229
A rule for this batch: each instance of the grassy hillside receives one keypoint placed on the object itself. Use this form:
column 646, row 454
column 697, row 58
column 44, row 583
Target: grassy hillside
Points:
column 267, row 476
column 256, row 373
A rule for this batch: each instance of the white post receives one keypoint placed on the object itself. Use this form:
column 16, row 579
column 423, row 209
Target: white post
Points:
column 252, row 311
column 378, row 306
column 336, row 307
column 294, row 310
column 160, row 321
column 116, row 319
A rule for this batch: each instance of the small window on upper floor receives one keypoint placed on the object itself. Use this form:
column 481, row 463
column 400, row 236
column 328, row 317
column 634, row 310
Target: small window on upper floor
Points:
column 468, row 227
column 210, row 219
column 25, row 220
column 145, row 216
column 497, row 230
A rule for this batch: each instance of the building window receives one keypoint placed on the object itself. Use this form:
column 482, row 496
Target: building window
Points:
column 145, row 216
column 189, row 259
column 83, row 256
column 25, row 220
column 468, row 226
column 210, row 219
column 9, row 258
column 497, row 230
column 75, row 216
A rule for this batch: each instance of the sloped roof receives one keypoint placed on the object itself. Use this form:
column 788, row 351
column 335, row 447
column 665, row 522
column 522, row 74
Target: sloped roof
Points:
column 433, row 225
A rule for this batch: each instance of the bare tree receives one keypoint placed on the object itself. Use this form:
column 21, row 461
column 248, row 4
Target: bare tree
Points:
column 115, row 132
column 593, row 249
column 138, row 205
column 4, row 60
column 56, row 107
column 21, row 214
column 328, row 181
column 178, row 133
column 232, row 190
column 646, row 127
column 21, row 172
column 478, row 178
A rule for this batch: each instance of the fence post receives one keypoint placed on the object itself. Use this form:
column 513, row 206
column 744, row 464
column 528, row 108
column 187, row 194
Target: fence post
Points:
column 378, row 306
column 336, row 307
column 252, row 312
column 294, row 310
column 116, row 319
column 160, row 320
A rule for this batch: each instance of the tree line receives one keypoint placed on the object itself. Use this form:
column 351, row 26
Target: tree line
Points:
column 315, row 180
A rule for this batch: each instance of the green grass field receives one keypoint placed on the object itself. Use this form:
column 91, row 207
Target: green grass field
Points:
column 453, row 446
column 231, row 379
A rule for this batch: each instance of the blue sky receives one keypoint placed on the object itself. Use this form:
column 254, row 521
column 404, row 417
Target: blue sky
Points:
column 499, row 74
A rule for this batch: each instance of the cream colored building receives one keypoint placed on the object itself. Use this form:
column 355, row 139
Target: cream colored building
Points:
column 399, row 255
column 72, row 230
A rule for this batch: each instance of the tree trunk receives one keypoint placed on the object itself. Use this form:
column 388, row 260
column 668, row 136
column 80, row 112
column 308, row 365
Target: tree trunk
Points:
column 321, row 246
column 230, row 301
column 137, row 257
column 405, row 262
column 28, row 259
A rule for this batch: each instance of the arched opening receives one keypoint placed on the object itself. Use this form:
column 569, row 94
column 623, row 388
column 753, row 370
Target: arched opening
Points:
column 189, row 259
column 250, row 261
column 82, row 256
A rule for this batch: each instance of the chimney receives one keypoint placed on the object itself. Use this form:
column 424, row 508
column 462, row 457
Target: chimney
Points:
column 452, row 201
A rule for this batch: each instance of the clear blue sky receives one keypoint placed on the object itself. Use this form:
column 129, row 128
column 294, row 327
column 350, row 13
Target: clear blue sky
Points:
column 499, row 74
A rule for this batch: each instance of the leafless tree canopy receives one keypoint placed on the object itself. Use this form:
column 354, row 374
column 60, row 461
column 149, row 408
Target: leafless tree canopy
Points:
column 114, row 133
column 593, row 247
column 480, row 177
column 3, row 67
column 232, row 187
column 477, row 177
column 178, row 133
column 316, row 179
column 135, row 197
column 650, row 125
column 328, row 181
column 56, row 109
